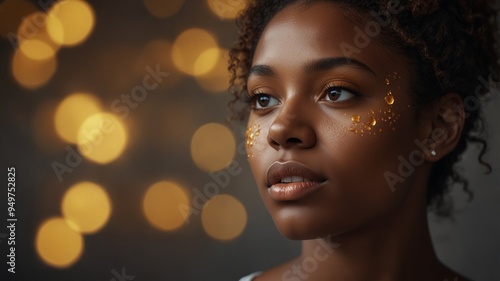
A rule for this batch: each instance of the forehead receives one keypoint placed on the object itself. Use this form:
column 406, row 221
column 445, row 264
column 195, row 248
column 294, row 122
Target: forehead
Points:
column 322, row 29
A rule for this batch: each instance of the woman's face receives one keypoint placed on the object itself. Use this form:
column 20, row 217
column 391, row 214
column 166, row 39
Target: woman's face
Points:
column 331, row 118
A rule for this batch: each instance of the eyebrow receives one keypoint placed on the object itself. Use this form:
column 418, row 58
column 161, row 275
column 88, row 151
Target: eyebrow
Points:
column 332, row 63
column 315, row 66
column 262, row 70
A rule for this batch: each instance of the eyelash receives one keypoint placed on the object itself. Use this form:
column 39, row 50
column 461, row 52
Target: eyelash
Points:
column 339, row 86
column 250, row 97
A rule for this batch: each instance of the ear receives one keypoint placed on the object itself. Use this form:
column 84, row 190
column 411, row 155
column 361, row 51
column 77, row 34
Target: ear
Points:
column 446, row 124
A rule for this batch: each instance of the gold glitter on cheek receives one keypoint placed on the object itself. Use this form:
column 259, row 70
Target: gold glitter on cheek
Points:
column 377, row 121
column 373, row 123
column 253, row 131
column 361, row 126
column 389, row 98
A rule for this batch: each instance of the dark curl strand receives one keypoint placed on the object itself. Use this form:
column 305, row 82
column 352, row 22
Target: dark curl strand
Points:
column 452, row 46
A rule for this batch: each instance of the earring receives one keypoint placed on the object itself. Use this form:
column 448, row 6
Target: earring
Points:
column 433, row 153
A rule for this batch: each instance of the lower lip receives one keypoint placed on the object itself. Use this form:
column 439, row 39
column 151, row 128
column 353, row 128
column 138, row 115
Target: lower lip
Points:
column 292, row 191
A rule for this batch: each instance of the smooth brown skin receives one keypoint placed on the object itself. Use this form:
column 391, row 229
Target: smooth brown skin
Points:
column 382, row 235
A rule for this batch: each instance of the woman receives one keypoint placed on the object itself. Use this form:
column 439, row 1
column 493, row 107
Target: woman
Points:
column 358, row 111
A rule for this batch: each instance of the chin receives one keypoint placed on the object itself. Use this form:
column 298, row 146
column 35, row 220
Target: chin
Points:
column 300, row 224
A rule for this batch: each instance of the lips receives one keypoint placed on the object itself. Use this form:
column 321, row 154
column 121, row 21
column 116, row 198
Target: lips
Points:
column 292, row 181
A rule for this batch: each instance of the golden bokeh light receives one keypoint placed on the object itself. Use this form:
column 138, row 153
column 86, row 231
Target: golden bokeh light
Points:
column 57, row 244
column 33, row 38
column 162, row 8
column 87, row 206
column 226, row 9
column 30, row 73
column 12, row 13
column 189, row 51
column 71, row 113
column 212, row 147
column 37, row 49
column 166, row 205
column 224, row 217
column 102, row 138
column 217, row 80
column 70, row 22
column 207, row 61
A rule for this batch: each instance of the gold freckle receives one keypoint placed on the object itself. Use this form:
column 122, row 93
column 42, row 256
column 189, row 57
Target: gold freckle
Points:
column 352, row 129
column 387, row 82
column 380, row 130
column 249, row 155
column 368, row 128
column 373, row 112
column 389, row 99
column 251, row 143
column 257, row 133
column 389, row 110
column 356, row 118
column 356, row 131
column 372, row 122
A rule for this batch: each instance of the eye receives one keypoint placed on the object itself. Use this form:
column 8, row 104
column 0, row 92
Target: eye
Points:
column 262, row 101
column 338, row 94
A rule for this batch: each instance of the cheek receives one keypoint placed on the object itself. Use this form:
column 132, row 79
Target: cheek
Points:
column 372, row 140
column 378, row 132
column 360, row 160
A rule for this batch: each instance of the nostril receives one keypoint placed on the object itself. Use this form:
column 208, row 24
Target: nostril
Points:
column 274, row 143
column 293, row 140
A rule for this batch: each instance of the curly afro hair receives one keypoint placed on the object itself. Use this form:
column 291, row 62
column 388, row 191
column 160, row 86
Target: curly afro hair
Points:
column 452, row 46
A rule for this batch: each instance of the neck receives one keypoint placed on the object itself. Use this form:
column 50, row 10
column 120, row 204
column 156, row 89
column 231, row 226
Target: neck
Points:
column 397, row 247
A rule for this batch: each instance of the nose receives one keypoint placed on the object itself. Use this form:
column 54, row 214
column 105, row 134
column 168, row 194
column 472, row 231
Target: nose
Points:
column 292, row 128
